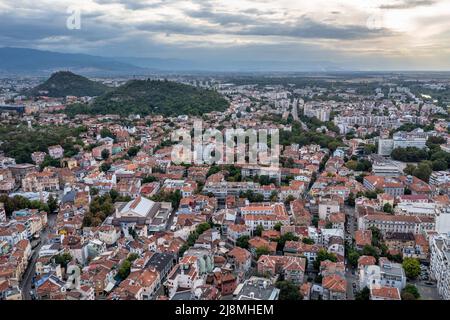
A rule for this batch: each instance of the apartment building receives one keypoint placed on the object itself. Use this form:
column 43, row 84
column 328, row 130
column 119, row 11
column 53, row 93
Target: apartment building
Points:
column 440, row 263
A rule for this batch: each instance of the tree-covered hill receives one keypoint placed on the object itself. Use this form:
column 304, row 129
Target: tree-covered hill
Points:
column 154, row 97
column 65, row 83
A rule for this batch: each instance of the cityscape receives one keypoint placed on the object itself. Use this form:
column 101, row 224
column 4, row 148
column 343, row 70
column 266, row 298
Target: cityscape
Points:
column 267, row 179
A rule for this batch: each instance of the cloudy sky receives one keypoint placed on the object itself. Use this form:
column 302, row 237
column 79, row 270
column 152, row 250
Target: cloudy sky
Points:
column 365, row 34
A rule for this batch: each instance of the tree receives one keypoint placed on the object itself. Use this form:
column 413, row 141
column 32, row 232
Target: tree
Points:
column 261, row 251
column 105, row 154
column 307, row 241
column 63, row 259
column 410, row 292
column 277, row 226
column 274, row 196
column 369, row 149
column 351, row 199
column 364, row 294
column 370, row 251
column 288, row 236
column 105, row 132
column 104, row 167
column 289, row 199
column 52, row 204
column 409, row 169
column 259, row 230
column 288, row 291
column 124, row 269
column 133, row 151
column 423, row 171
column 323, row 255
column 412, row 267
column 242, row 242
column 388, row 208
column 353, row 257
column 149, row 179
column 132, row 256
column 439, row 165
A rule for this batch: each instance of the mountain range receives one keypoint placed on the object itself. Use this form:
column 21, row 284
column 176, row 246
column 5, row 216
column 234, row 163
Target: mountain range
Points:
column 23, row 61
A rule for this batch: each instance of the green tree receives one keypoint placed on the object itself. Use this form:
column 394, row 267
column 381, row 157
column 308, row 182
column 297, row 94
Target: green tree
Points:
column 370, row 251
column 277, row 226
column 52, row 204
column 364, row 294
column 323, row 255
column 351, row 199
column 388, row 208
column 307, row 241
column 288, row 290
column 412, row 267
column 261, row 251
column 259, row 230
column 242, row 242
column 423, row 171
column 105, row 166
column 353, row 257
column 410, row 292
column 149, row 179
column 106, row 133
column 105, row 154
column 124, row 269
column 133, row 151
column 409, row 169
column 439, row 165
column 63, row 259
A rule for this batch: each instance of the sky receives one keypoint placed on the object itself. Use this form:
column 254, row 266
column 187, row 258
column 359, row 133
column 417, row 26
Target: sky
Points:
column 352, row 34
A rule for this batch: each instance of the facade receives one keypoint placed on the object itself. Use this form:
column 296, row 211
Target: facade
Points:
column 440, row 263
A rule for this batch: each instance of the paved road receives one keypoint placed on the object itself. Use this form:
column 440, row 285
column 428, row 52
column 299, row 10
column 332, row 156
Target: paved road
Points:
column 170, row 220
column 427, row 292
column 350, row 280
column 29, row 272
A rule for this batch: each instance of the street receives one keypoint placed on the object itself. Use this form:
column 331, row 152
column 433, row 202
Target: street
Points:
column 27, row 278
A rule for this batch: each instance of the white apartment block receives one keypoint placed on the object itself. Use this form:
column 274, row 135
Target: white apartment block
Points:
column 440, row 263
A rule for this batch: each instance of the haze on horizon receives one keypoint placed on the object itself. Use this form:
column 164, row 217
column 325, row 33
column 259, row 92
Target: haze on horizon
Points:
column 352, row 34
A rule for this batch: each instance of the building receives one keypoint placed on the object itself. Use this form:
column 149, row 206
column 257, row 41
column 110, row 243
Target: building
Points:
column 138, row 211
column 387, row 223
column 292, row 268
column 415, row 139
column 385, row 293
column 328, row 207
column 256, row 288
column 440, row 263
column 2, row 213
column 439, row 177
column 56, row 152
column 391, row 186
column 386, row 169
column 391, row 274
column 41, row 181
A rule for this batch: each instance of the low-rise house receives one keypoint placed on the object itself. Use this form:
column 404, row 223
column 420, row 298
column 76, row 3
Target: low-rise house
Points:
column 292, row 268
column 240, row 259
column 384, row 293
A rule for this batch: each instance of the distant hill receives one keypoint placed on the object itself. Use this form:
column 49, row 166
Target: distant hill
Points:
column 21, row 61
column 66, row 83
column 154, row 97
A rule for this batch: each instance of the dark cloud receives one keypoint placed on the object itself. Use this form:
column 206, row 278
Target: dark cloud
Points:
column 308, row 28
